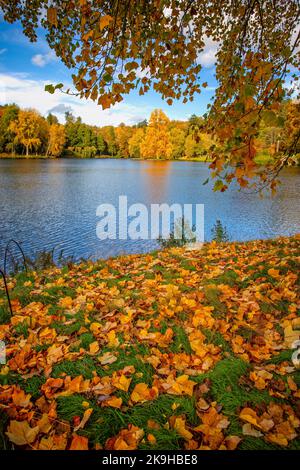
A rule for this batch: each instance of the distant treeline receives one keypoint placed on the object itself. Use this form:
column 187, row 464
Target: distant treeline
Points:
column 26, row 132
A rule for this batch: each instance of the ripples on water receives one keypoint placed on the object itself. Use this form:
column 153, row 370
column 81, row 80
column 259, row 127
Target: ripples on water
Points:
column 47, row 203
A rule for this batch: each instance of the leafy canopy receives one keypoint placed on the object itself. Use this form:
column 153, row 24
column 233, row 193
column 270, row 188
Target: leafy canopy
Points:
column 116, row 46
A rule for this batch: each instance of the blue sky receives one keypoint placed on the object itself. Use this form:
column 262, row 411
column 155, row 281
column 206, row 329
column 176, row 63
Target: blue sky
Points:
column 26, row 67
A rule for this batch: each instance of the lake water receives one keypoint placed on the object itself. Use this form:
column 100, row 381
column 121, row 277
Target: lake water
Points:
column 52, row 203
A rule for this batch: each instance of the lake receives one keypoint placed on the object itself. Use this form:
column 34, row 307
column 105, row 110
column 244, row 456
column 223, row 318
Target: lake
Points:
column 52, row 203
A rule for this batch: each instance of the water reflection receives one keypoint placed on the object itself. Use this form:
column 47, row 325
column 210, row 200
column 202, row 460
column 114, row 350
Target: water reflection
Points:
column 46, row 203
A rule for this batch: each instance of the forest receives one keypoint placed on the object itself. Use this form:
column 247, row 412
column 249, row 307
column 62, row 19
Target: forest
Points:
column 24, row 132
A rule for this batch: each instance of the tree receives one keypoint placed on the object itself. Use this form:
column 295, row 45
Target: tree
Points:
column 177, row 137
column 108, row 134
column 191, row 148
column 30, row 130
column 114, row 47
column 123, row 134
column 52, row 119
column 8, row 115
column 101, row 146
column 72, row 130
column 195, row 124
column 134, row 144
column 290, row 133
column 143, row 123
column 157, row 141
column 57, row 139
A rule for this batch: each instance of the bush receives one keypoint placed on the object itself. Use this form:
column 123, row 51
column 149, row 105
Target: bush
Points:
column 181, row 234
column 219, row 232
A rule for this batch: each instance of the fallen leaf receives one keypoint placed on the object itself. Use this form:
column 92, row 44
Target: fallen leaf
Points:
column 79, row 443
column 85, row 418
column 20, row 433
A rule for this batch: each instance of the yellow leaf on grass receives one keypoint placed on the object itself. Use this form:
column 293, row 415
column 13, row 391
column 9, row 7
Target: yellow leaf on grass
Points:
column 95, row 328
column 107, row 358
column 20, row 433
column 114, row 402
column 121, row 382
column 113, row 341
column 274, row 273
column 142, row 393
column 66, row 302
column 179, row 426
column 94, row 347
column 247, row 414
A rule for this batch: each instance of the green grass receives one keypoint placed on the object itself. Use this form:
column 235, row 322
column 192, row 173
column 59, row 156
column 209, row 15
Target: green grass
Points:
column 181, row 341
column 84, row 366
column 212, row 299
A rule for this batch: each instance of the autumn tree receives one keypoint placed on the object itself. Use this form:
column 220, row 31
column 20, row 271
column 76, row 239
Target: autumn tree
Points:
column 123, row 134
column 52, row 119
column 30, row 130
column 177, row 138
column 8, row 115
column 134, row 144
column 290, row 132
column 57, row 139
column 109, row 137
column 157, row 141
column 101, row 145
column 191, row 147
column 71, row 127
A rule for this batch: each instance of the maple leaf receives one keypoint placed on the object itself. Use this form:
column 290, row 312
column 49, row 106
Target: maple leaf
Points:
column 19, row 398
column 142, row 393
column 20, row 433
column 55, row 442
column 121, row 382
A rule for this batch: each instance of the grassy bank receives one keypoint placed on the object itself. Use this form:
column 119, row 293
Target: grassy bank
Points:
column 176, row 349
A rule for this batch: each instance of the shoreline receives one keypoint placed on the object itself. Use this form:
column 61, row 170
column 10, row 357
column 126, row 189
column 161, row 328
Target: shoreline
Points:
column 102, row 157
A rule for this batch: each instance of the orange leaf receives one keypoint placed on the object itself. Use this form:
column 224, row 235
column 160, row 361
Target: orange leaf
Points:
column 142, row 393
column 104, row 21
column 114, row 402
column 79, row 443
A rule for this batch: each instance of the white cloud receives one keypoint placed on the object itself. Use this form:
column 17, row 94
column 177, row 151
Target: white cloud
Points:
column 27, row 93
column 207, row 58
column 40, row 60
column 60, row 109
